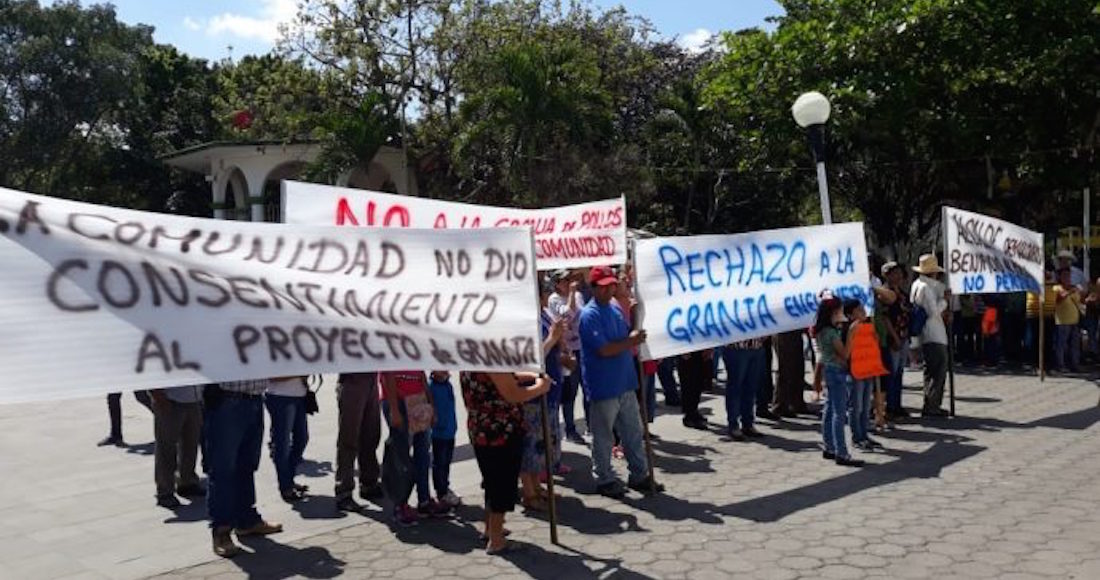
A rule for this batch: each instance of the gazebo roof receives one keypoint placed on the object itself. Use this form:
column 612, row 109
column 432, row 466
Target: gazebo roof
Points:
column 197, row 158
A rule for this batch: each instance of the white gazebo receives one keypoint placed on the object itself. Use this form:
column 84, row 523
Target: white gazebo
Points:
column 245, row 176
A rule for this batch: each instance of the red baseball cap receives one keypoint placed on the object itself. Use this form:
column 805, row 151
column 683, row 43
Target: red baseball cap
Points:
column 602, row 276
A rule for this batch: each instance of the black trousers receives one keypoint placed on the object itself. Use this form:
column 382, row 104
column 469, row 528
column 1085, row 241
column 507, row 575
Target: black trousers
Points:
column 499, row 467
column 114, row 409
column 694, row 373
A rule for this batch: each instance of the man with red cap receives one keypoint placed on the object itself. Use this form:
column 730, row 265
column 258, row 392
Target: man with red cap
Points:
column 610, row 380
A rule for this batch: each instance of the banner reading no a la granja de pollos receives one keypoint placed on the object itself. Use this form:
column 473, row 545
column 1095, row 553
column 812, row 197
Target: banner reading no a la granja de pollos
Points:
column 96, row 299
column 572, row 236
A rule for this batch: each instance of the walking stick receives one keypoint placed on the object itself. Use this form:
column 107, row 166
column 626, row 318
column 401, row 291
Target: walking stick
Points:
column 951, row 376
column 548, row 446
column 1042, row 341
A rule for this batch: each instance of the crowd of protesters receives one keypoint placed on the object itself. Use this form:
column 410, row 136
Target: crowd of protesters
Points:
column 591, row 350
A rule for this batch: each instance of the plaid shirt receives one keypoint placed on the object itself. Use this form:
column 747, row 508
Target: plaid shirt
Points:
column 253, row 387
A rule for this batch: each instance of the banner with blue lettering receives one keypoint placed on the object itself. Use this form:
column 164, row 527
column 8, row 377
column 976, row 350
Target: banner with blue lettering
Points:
column 700, row 292
column 985, row 255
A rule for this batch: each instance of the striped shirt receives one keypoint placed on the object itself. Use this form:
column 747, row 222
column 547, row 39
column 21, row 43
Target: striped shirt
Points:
column 750, row 344
column 253, row 387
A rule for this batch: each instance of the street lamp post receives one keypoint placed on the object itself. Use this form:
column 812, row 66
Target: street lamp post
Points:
column 811, row 111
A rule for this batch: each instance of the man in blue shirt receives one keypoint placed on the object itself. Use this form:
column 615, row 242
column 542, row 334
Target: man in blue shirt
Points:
column 610, row 382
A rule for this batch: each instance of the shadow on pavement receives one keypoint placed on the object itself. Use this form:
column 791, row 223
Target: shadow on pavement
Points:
column 312, row 468
column 194, row 511
column 271, row 560
column 142, row 448
column 540, row 564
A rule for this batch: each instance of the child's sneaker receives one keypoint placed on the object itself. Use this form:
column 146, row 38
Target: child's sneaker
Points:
column 450, row 499
column 405, row 515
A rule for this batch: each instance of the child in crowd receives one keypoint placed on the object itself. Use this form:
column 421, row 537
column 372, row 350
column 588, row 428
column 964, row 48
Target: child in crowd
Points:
column 865, row 365
column 408, row 410
column 443, row 437
column 829, row 330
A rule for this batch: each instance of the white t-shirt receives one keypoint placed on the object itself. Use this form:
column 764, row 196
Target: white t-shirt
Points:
column 292, row 387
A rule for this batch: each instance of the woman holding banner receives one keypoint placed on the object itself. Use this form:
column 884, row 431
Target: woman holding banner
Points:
column 496, row 424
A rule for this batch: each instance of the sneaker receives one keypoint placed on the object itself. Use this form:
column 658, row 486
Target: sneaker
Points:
column 617, row 452
column 849, row 462
column 871, row 443
column 451, row 499
column 751, row 433
column 404, row 515
column 828, row 455
column 347, row 504
column 862, row 445
column 646, row 486
column 432, row 509
column 736, row 434
column 767, row 414
column 168, row 501
column 292, row 495
column 576, row 438
column 262, row 528
column 934, row 413
column 371, row 493
column 611, row 489
column 224, row 545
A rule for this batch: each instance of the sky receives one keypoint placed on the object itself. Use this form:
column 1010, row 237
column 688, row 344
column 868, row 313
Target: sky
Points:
column 207, row 28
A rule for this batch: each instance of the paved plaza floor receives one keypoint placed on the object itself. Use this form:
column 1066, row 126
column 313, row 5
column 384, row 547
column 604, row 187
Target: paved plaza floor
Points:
column 1008, row 489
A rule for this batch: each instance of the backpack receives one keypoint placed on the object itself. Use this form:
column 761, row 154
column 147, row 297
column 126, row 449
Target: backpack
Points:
column 917, row 319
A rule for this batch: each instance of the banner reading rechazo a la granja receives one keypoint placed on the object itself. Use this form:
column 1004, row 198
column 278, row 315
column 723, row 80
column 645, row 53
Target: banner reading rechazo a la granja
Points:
column 97, row 299
column 700, row 292
column 572, row 236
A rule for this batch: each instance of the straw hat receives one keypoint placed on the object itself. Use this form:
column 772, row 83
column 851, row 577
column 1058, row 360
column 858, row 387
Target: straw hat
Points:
column 928, row 265
column 1064, row 253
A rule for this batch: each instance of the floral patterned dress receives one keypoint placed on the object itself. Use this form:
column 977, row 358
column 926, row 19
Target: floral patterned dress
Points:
column 491, row 420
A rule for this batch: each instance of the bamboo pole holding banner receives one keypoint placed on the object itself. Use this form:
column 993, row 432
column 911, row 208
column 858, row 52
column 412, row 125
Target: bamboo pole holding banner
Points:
column 636, row 311
column 548, row 448
column 950, row 335
column 1042, row 315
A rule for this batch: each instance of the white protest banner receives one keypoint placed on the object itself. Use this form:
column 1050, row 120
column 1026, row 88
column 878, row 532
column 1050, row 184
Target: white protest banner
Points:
column 987, row 255
column 700, row 292
column 573, row 236
column 97, row 299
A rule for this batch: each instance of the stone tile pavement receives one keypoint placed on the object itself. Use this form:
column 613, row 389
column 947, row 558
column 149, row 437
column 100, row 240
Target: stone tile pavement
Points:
column 1009, row 489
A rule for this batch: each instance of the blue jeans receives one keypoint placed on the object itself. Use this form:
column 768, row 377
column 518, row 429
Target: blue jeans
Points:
column 1067, row 340
column 234, row 432
column 620, row 414
column 895, row 363
column 570, row 385
column 668, row 380
column 860, row 409
column 421, row 454
column 718, row 355
column 838, row 382
column 744, row 373
column 443, row 452
column 289, row 436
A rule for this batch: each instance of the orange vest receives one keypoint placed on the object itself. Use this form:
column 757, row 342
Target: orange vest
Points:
column 866, row 361
column 989, row 322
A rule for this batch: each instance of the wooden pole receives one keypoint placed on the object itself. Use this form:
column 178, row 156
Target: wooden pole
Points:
column 951, row 375
column 548, row 446
column 1042, row 341
column 644, row 412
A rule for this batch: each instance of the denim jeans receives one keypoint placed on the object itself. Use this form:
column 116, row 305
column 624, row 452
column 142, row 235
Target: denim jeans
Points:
column 289, row 436
column 896, row 360
column 1091, row 325
column 668, row 380
column 744, row 373
column 838, row 382
column 443, row 451
column 421, row 454
column 860, row 408
column 570, row 386
column 719, row 354
column 622, row 415
column 234, row 432
column 1067, row 340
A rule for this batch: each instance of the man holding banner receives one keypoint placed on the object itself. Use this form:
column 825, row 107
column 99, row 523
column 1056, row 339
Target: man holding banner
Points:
column 610, row 381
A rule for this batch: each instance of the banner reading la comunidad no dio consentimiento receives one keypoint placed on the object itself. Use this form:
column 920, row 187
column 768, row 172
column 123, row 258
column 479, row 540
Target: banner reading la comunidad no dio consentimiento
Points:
column 97, row 299
column 699, row 292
